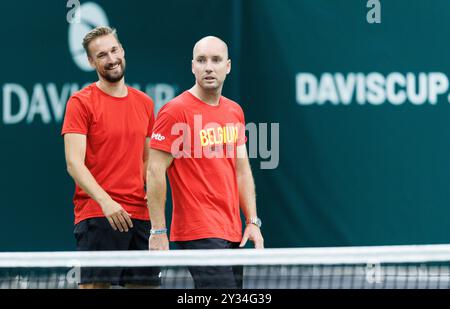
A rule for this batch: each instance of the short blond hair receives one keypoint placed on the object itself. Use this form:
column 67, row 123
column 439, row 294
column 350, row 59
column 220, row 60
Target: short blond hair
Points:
column 96, row 33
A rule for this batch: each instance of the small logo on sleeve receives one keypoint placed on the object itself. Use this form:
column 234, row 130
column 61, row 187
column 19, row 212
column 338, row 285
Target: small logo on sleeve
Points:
column 158, row 137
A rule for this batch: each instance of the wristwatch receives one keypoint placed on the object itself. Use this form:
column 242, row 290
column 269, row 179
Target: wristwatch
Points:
column 256, row 221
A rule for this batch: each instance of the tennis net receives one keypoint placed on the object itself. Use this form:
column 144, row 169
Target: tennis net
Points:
column 392, row 267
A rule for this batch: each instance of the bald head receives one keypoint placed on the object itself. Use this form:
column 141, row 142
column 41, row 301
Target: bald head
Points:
column 208, row 43
column 210, row 64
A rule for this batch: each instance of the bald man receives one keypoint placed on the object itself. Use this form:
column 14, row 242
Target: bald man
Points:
column 199, row 140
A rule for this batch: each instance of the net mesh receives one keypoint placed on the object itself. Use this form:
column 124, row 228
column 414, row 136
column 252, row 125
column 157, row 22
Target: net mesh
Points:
column 395, row 267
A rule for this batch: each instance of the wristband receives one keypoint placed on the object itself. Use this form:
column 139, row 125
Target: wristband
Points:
column 158, row 232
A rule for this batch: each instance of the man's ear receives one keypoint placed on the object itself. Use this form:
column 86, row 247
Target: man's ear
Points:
column 228, row 66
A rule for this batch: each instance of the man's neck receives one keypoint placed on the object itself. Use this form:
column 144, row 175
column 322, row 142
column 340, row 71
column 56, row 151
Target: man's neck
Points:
column 209, row 97
column 117, row 89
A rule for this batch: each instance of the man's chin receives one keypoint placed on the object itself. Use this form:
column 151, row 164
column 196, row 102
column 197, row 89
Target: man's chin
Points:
column 210, row 87
column 113, row 78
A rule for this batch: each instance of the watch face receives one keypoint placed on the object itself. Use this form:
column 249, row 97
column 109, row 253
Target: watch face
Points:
column 256, row 221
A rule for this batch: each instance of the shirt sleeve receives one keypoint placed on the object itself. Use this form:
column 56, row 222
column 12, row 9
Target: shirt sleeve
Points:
column 167, row 136
column 77, row 117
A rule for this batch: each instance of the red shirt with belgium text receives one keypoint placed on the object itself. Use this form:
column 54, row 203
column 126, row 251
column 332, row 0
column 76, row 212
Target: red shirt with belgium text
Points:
column 115, row 129
column 203, row 140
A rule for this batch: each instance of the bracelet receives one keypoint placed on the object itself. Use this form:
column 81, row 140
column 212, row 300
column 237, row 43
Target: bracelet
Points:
column 158, row 232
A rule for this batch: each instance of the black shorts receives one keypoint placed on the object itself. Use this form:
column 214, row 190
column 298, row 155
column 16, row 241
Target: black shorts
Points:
column 96, row 234
column 214, row 277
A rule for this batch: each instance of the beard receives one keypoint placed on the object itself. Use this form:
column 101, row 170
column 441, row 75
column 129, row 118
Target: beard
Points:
column 114, row 76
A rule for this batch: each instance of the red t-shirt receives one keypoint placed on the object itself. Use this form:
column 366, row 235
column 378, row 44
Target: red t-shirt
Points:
column 115, row 129
column 204, row 188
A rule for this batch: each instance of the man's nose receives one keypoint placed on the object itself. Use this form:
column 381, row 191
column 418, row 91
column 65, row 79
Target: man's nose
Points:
column 208, row 66
column 109, row 58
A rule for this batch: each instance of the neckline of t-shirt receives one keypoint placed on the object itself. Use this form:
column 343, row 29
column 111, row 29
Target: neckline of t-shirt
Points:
column 204, row 103
column 110, row 96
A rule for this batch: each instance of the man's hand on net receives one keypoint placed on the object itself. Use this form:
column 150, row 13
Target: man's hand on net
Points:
column 158, row 242
column 253, row 233
column 117, row 216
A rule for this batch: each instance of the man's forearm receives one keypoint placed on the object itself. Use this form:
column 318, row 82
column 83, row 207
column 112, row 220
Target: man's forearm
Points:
column 247, row 196
column 84, row 179
column 156, row 197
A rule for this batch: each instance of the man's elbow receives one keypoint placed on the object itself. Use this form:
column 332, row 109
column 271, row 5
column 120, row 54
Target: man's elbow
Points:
column 155, row 170
column 71, row 166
